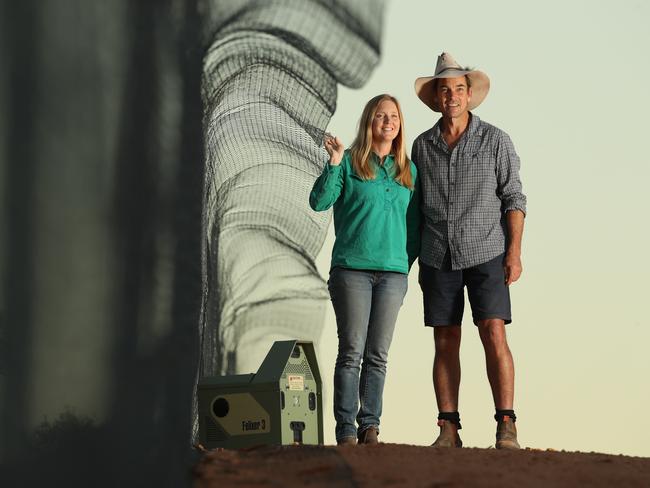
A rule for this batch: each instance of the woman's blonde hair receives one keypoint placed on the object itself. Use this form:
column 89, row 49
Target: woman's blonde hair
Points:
column 362, row 145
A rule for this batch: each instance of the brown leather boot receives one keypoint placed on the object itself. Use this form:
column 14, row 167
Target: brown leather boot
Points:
column 369, row 436
column 448, row 435
column 507, row 434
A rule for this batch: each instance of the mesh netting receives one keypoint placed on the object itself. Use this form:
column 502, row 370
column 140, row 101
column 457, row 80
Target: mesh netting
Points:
column 270, row 89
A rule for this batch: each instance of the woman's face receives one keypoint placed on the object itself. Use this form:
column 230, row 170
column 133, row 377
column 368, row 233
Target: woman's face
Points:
column 386, row 123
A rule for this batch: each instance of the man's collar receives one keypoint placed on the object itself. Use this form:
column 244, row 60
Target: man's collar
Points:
column 474, row 123
column 435, row 133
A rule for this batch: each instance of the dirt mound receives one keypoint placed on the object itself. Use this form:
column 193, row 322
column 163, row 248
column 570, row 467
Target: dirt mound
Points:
column 400, row 465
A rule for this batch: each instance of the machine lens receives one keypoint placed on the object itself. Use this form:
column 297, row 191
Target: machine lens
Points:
column 220, row 407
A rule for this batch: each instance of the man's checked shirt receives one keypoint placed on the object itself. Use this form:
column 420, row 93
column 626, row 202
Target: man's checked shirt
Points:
column 466, row 193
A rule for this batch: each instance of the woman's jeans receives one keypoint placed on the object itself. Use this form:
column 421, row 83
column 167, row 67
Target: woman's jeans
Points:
column 366, row 304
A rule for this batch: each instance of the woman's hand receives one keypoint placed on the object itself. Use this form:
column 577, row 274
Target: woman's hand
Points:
column 334, row 147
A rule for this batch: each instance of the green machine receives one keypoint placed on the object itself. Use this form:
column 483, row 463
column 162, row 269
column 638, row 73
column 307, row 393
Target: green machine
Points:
column 280, row 404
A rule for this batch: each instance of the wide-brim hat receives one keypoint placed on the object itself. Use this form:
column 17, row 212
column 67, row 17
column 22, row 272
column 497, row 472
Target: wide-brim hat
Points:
column 447, row 67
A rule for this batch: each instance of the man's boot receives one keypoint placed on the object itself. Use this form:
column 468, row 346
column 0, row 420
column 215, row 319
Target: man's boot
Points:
column 448, row 435
column 506, row 434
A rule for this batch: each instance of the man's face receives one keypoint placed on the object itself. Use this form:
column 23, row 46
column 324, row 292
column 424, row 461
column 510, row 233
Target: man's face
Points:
column 453, row 96
column 386, row 124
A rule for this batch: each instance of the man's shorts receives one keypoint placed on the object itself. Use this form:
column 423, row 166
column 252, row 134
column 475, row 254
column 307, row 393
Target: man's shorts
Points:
column 442, row 290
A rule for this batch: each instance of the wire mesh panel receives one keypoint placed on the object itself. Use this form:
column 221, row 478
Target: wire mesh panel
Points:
column 269, row 88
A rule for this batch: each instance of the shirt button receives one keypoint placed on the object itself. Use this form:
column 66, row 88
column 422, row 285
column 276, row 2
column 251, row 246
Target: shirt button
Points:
column 387, row 189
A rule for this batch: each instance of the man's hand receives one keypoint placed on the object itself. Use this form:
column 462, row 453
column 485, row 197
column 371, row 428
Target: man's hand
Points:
column 334, row 147
column 512, row 267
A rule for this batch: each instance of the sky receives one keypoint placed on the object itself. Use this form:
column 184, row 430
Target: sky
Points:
column 569, row 85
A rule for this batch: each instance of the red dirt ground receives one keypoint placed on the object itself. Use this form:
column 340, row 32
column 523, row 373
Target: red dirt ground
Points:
column 397, row 465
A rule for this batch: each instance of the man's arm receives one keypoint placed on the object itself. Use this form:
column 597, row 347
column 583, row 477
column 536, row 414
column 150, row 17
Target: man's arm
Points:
column 509, row 187
column 513, row 203
column 512, row 261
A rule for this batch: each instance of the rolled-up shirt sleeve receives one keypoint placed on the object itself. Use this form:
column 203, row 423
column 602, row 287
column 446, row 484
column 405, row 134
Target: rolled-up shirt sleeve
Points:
column 327, row 188
column 509, row 188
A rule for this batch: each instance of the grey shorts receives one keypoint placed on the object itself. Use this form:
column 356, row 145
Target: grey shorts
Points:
column 444, row 301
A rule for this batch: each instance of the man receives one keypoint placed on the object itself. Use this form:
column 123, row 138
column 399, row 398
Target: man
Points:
column 474, row 210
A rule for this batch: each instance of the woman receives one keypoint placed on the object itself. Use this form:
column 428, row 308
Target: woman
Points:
column 372, row 187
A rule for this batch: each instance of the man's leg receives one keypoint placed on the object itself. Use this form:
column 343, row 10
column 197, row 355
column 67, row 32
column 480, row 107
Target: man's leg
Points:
column 499, row 362
column 442, row 290
column 446, row 367
column 501, row 373
column 490, row 300
column 446, row 383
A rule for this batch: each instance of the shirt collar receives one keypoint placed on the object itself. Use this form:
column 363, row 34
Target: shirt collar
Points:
column 435, row 133
column 388, row 161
